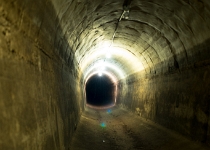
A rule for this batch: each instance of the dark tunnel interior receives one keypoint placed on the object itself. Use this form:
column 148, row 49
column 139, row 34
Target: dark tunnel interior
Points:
column 100, row 91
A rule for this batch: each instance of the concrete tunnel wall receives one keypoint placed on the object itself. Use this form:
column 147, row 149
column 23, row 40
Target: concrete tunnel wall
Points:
column 43, row 45
column 40, row 96
column 177, row 99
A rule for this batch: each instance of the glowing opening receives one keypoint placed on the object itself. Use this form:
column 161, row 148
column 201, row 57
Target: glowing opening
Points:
column 108, row 55
column 101, row 65
column 103, row 50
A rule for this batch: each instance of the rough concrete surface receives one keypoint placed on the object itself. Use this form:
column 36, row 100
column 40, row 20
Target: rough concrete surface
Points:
column 126, row 131
column 39, row 107
column 160, row 56
column 178, row 100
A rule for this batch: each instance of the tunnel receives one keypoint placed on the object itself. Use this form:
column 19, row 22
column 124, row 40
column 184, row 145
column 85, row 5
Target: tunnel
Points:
column 100, row 91
column 153, row 57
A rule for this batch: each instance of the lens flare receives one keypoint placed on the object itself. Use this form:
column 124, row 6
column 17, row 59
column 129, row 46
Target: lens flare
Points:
column 103, row 124
column 109, row 111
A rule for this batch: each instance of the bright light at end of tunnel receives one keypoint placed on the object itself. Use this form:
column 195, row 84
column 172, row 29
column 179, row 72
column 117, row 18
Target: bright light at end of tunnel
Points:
column 110, row 75
column 100, row 74
column 100, row 67
column 108, row 55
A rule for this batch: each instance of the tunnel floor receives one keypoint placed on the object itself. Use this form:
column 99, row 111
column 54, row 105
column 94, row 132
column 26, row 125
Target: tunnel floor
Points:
column 118, row 129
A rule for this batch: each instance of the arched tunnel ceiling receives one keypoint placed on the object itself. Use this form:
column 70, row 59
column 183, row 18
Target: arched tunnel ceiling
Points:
column 157, row 31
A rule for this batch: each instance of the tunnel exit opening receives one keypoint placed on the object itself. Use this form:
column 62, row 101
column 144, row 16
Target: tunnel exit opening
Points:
column 100, row 91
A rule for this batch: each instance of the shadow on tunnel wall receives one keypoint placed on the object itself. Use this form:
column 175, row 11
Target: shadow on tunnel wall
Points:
column 175, row 97
column 39, row 78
